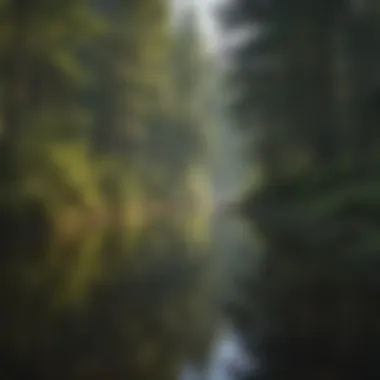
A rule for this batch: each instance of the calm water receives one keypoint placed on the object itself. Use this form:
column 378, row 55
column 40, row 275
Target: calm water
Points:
column 228, row 359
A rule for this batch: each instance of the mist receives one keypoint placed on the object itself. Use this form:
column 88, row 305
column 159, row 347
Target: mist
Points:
column 229, row 171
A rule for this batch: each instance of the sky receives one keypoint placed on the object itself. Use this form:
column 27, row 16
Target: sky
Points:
column 206, row 11
column 216, row 39
column 229, row 170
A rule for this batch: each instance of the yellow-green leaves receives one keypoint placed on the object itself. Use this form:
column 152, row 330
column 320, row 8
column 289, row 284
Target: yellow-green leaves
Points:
column 105, row 153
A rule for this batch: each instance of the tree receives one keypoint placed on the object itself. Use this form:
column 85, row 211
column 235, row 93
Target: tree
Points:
column 98, row 274
column 305, row 101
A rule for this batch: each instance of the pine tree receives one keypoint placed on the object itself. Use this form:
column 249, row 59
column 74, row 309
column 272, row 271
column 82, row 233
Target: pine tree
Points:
column 304, row 84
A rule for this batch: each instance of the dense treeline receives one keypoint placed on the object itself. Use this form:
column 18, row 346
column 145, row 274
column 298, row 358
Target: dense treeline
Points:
column 305, row 88
column 103, row 228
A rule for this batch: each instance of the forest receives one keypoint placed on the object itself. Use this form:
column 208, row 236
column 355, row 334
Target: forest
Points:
column 104, row 201
column 304, row 88
column 115, row 128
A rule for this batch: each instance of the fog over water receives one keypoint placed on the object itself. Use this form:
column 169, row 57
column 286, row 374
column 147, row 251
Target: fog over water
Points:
column 229, row 174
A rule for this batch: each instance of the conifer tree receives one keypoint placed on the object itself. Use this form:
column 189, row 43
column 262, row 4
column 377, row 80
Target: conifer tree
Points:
column 305, row 84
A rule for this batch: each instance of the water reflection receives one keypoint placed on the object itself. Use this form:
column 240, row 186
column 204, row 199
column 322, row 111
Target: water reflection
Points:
column 229, row 360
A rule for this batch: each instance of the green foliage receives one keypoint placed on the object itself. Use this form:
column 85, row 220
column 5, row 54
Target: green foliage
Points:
column 100, row 215
column 307, row 92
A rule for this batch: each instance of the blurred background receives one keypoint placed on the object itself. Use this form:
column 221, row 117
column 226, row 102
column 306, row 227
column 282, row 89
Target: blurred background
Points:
column 189, row 189
column 112, row 169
